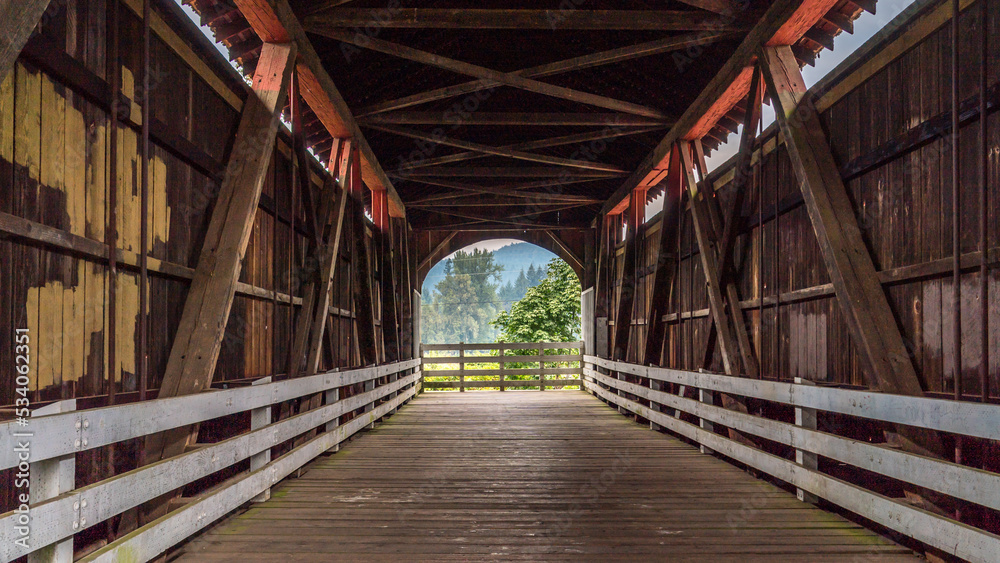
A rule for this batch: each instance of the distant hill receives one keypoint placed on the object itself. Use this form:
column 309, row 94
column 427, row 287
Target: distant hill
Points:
column 513, row 257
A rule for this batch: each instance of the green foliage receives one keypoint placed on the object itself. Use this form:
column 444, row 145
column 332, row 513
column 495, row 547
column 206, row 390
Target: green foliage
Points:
column 549, row 312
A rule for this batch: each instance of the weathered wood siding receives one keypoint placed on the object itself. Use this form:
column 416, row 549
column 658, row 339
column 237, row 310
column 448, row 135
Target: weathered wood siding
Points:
column 903, row 206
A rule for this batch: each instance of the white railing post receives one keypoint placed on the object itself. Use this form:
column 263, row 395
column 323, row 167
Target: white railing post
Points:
column 393, row 377
column 461, row 367
column 259, row 418
column 707, row 397
column 806, row 418
column 503, row 386
column 53, row 477
column 423, row 361
column 655, row 385
column 332, row 396
column 369, row 386
column 541, row 367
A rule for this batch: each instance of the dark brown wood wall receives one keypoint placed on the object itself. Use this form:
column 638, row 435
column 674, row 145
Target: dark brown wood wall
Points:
column 904, row 208
column 54, row 166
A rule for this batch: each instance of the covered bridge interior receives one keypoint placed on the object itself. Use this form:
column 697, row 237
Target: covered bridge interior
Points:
column 210, row 280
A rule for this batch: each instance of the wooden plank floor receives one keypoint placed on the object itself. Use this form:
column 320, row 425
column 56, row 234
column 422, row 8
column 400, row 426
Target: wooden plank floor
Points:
column 528, row 475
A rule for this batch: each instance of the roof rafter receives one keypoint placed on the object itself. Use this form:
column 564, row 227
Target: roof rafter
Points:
column 603, row 134
column 612, row 56
column 505, row 172
column 460, row 18
column 503, row 78
column 533, row 119
column 512, row 190
column 784, row 22
column 495, row 151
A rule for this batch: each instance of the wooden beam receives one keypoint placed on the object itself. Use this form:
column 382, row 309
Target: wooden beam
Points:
column 493, row 226
column 503, row 78
column 335, row 199
column 390, row 320
column 440, row 246
column 852, row 271
column 18, row 19
column 627, row 289
column 709, row 261
column 507, row 119
column 275, row 22
column 577, row 19
column 666, row 258
column 495, row 151
column 722, row 7
column 503, row 218
column 505, row 172
column 571, row 257
column 512, row 190
column 363, row 296
column 612, row 56
column 769, row 25
column 202, row 327
column 581, row 138
column 479, row 201
column 734, row 222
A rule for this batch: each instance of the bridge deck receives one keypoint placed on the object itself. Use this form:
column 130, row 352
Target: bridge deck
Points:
column 553, row 475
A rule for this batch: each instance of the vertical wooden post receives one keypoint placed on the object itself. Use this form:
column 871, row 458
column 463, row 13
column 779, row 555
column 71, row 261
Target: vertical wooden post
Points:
column 806, row 418
column 653, row 405
column 422, row 362
column 332, row 396
column 53, row 477
column 503, row 386
column 707, row 397
column 541, row 367
column 461, row 367
column 260, row 418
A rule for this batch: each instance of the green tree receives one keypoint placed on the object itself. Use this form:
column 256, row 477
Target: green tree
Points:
column 462, row 304
column 549, row 312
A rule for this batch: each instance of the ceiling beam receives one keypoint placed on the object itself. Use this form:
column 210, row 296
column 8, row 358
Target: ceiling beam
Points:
column 512, row 190
column 274, row 22
column 723, row 7
column 460, row 18
column 604, row 134
column 514, row 118
column 575, row 260
column 505, row 172
column 505, row 220
column 500, row 202
column 612, row 56
column 495, row 151
column 504, row 78
column 784, row 22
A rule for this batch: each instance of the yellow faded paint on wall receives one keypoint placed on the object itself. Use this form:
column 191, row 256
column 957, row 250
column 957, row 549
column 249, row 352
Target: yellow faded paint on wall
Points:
column 27, row 120
column 65, row 318
column 7, row 118
column 97, row 182
column 53, row 137
column 67, row 305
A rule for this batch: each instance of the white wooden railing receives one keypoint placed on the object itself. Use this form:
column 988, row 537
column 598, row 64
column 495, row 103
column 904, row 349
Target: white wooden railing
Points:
column 963, row 418
column 57, row 510
column 498, row 377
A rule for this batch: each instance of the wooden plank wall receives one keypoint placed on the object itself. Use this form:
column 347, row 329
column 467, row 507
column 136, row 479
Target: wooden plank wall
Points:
column 54, row 171
column 904, row 208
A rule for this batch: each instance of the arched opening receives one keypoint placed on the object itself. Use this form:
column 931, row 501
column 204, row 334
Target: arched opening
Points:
column 504, row 297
